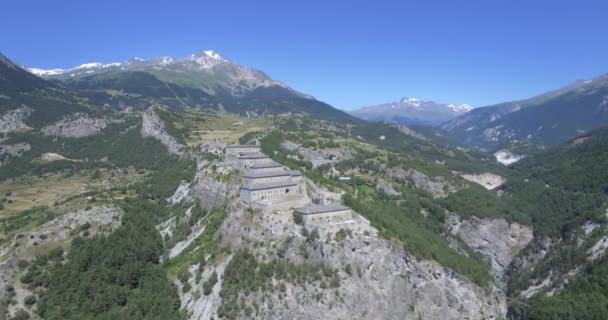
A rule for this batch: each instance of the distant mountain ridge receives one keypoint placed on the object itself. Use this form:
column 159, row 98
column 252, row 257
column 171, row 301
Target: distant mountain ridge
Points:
column 37, row 101
column 547, row 119
column 227, row 73
column 202, row 81
column 412, row 111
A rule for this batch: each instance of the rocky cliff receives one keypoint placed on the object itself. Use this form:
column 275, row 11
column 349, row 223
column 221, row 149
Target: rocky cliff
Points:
column 153, row 126
column 15, row 120
column 372, row 278
column 76, row 126
column 496, row 240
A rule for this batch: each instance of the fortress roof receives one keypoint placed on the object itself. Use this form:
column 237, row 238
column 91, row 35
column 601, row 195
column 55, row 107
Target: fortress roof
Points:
column 322, row 208
column 270, row 185
column 266, row 165
column 242, row 146
column 254, row 175
column 253, row 156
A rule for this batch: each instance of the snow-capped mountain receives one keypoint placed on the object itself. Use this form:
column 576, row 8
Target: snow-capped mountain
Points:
column 201, row 81
column 86, row 68
column 206, row 69
column 412, row 111
column 206, row 59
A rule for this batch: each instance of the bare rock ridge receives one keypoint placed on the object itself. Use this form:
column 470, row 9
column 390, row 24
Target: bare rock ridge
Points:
column 76, row 126
column 487, row 180
column 439, row 187
column 14, row 120
column 385, row 282
column 153, row 126
column 211, row 188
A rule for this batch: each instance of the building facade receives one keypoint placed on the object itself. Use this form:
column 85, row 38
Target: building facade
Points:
column 247, row 160
column 236, row 150
column 266, row 167
column 269, row 191
column 322, row 214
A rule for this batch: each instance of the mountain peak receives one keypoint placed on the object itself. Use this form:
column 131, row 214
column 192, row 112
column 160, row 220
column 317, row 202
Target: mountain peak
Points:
column 213, row 54
column 463, row 107
column 412, row 111
column 207, row 58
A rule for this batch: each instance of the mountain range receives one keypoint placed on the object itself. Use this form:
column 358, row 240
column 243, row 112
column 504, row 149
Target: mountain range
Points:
column 201, row 81
column 547, row 119
column 412, row 111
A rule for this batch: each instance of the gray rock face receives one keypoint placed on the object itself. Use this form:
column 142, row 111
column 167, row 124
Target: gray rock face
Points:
column 214, row 184
column 76, row 126
column 438, row 186
column 14, row 120
column 386, row 282
column 385, row 186
column 153, row 126
column 497, row 240
column 14, row 150
column 318, row 156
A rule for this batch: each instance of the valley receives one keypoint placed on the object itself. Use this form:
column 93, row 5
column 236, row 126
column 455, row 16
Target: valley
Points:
column 197, row 188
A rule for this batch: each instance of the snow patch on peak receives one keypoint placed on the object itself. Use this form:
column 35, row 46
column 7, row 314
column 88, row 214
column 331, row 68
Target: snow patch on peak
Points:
column 43, row 72
column 213, row 54
column 97, row 65
column 411, row 101
column 88, row 65
column 460, row 108
column 166, row 60
column 207, row 59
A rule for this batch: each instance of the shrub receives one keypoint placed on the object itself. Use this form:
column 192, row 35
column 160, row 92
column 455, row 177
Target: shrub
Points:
column 30, row 300
column 21, row 315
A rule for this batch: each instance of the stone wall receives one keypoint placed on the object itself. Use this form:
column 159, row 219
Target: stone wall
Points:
column 249, row 162
column 252, row 180
column 328, row 217
column 237, row 151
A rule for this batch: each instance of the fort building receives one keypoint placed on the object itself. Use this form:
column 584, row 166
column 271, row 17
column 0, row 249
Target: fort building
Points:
column 266, row 167
column 236, row 150
column 269, row 191
column 283, row 175
column 250, row 159
column 325, row 213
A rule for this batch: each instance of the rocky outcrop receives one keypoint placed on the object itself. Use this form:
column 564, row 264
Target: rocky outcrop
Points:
column 153, row 126
column 487, row 180
column 385, row 187
column 598, row 249
column 51, row 156
column 507, row 157
column 320, row 194
column 496, row 240
column 214, row 183
column 14, row 120
column 182, row 192
column 378, row 279
column 14, row 150
column 213, row 146
column 76, row 126
column 437, row 186
column 316, row 156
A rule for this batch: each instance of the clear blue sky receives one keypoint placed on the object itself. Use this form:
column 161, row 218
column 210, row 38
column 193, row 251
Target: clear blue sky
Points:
column 347, row 53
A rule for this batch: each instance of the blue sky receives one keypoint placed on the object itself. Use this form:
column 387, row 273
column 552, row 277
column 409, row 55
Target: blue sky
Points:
column 347, row 53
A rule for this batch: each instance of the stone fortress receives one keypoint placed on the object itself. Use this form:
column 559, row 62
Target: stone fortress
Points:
column 269, row 185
